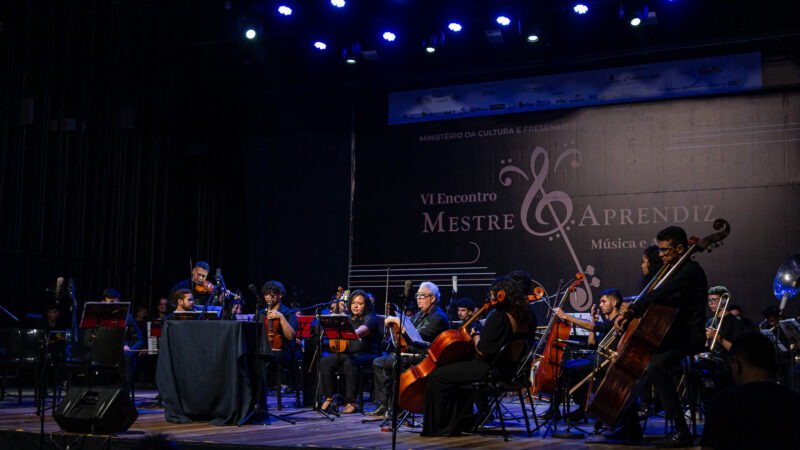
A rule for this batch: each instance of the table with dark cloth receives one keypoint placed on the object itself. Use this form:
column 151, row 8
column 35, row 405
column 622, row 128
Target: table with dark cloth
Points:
column 207, row 370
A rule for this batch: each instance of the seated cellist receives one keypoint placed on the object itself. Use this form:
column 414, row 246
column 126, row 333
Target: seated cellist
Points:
column 430, row 321
column 447, row 393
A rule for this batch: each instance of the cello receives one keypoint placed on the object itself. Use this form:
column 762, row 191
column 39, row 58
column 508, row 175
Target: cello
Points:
column 449, row 347
column 544, row 380
column 641, row 340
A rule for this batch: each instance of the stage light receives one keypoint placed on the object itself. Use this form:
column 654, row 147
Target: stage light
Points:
column 503, row 20
column 338, row 3
column 433, row 43
column 429, row 49
column 454, row 26
column 635, row 22
column 250, row 33
column 389, row 36
column 580, row 8
column 284, row 10
column 319, row 45
column 533, row 38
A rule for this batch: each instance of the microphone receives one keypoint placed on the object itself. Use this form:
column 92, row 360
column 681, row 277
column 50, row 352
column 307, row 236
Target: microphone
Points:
column 407, row 290
column 346, row 295
column 218, row 276
column 59, row 287
column 455, row 285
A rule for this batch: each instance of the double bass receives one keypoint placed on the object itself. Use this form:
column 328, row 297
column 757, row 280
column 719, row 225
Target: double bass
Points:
column 449, row 347
column 544, row 380
column 641, row 340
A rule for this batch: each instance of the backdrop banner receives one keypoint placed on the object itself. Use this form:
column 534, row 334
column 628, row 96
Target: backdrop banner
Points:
column 581, row 190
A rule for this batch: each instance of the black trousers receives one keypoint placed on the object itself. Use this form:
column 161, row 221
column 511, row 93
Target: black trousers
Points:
column 660, row 368
column 382, row 369
column 449, row 397
column 346, row 364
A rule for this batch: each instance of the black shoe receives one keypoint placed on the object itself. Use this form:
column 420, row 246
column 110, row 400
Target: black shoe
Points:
column 577, row 415
column 676, row 439
column 548, row 414
column 626, row 433
column 379, row 411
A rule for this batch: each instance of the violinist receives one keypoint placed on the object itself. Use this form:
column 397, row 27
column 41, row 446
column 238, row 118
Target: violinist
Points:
column 198, row 285
column 447, row 393
column 686, row 290
column 430, row 321
column 350, row 353
column 281, row 320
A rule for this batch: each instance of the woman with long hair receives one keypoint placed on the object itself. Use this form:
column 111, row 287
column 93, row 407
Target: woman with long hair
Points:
column 447, row 394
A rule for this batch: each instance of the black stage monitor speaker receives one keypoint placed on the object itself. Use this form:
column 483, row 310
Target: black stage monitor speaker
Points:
column 96, row 410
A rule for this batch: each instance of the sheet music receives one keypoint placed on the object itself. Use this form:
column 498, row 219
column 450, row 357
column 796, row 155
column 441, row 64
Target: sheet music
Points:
column 412, row 333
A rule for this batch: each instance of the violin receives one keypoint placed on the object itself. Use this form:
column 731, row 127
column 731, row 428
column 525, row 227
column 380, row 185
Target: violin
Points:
column 206, row 287
column 338, row 345
column 272, row 326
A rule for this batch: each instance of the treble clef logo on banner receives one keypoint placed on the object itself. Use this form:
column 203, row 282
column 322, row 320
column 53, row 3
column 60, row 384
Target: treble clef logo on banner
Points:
column 552, row 211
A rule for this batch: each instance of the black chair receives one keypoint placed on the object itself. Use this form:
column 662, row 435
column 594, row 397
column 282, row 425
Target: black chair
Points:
column 507, row 374
column 108, row 364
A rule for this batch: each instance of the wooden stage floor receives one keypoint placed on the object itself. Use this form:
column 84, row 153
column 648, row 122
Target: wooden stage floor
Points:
column 19, row 428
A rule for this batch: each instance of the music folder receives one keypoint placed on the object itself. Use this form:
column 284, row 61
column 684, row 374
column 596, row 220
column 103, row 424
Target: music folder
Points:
column 337, row 326
column 791, row 328
column 104, row 314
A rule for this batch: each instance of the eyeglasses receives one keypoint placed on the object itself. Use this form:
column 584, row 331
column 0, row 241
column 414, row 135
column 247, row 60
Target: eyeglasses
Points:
column 423, row 295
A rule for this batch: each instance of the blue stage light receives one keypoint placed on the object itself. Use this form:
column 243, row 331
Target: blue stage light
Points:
column 636, row 21
column 503, row 20
column 284, row 10
column 454, row 26
column 580, row 8
column 250, row 33
column 389, row 36
column 319, row 45
column 338, row 3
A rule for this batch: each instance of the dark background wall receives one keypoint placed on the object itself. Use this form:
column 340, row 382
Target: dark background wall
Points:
column 136, row 135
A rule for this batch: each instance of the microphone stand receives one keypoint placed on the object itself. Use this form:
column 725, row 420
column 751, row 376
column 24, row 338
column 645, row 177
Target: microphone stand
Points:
column 396, row 374
column 205, row 305
column 317, row 358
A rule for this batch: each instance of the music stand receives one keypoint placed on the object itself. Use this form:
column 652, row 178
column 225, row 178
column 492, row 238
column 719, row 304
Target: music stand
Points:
column 304, row 326
column 791, row 329
column 104, row 314
column 109, row 319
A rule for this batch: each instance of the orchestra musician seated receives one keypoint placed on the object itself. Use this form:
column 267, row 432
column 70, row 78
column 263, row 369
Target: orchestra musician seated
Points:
column 448, row 408
column 184, row 301
column 347, row 354
column 576, row 369
column 430, row 321
column 758, row 413
column 465, row 308
column 283, row 320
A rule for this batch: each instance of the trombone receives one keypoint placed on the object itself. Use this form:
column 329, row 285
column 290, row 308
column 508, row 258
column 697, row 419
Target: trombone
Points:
column 723, row 304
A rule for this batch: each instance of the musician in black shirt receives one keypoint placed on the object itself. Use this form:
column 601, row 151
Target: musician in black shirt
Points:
column 430, row 321
column 358, row 351
column 686, row 289
column 448, row 403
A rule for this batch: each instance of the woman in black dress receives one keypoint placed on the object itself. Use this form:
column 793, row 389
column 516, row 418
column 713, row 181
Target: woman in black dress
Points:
column 448, row 394
column 361, row 351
